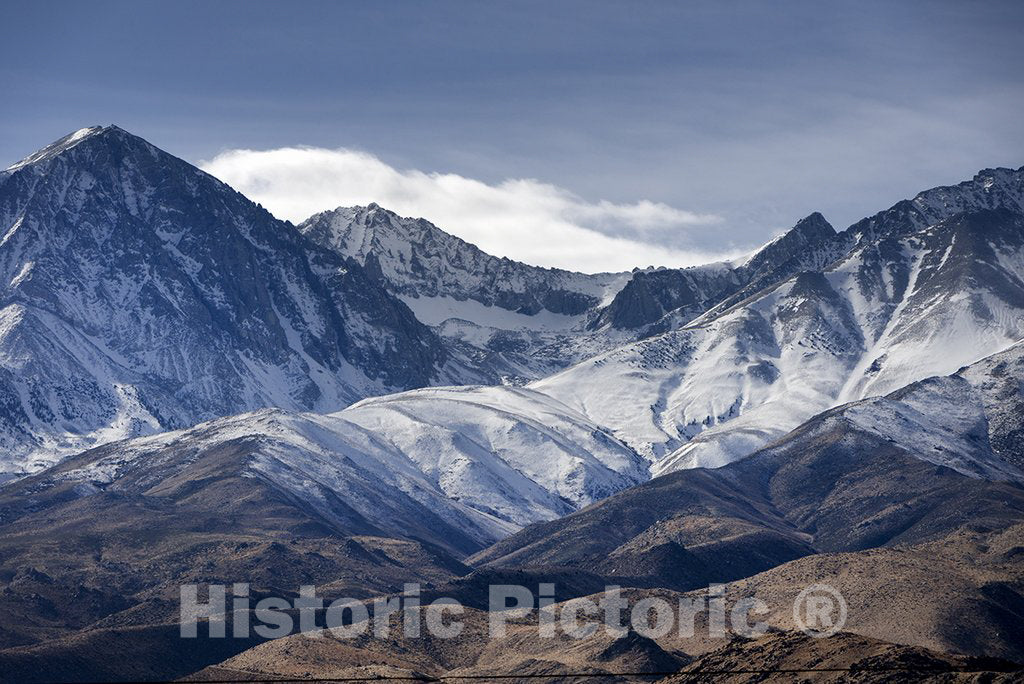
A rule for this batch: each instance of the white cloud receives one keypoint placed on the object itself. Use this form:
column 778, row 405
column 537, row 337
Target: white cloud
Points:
column 522, row 219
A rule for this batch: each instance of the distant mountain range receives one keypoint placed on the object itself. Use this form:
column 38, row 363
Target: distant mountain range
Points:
column 193, row 390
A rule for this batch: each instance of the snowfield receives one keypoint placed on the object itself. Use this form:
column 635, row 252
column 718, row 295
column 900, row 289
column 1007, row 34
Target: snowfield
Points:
column 491, row 458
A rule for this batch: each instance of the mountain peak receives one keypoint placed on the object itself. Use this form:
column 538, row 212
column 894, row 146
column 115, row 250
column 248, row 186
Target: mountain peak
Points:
column 814, row 224
column 131, row 248
column 418, row 260
column 809, row 233
column 88, row 135
column 57, row 147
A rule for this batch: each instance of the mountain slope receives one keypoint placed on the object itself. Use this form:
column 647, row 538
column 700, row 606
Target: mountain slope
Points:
column 812, row 244
column 390, row 490
column 908, row 468
column 906, row 302
column 789, row 656
column 140, row 294
column 93, row 556
column 420, row 260
column 507, row 320
column 962, row 593
column 515, row 453
column 458, row 468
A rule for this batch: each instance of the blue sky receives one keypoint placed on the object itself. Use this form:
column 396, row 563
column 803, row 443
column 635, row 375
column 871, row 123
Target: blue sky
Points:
column 732, row 119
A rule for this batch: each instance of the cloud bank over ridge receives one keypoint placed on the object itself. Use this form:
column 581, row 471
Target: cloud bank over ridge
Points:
column 520, row 218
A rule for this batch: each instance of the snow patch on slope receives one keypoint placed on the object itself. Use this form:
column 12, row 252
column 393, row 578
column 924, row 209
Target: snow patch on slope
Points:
column 435, row 311
column 939, row 420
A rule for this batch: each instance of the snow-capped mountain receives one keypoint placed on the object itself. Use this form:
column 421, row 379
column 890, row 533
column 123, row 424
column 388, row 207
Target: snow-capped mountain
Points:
column 421, row 261
column 663, row 299
column 513, row 322
column 989, row 189
column 509, row 320
column 471, row 464
column 140, row 294
column 924, row 288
